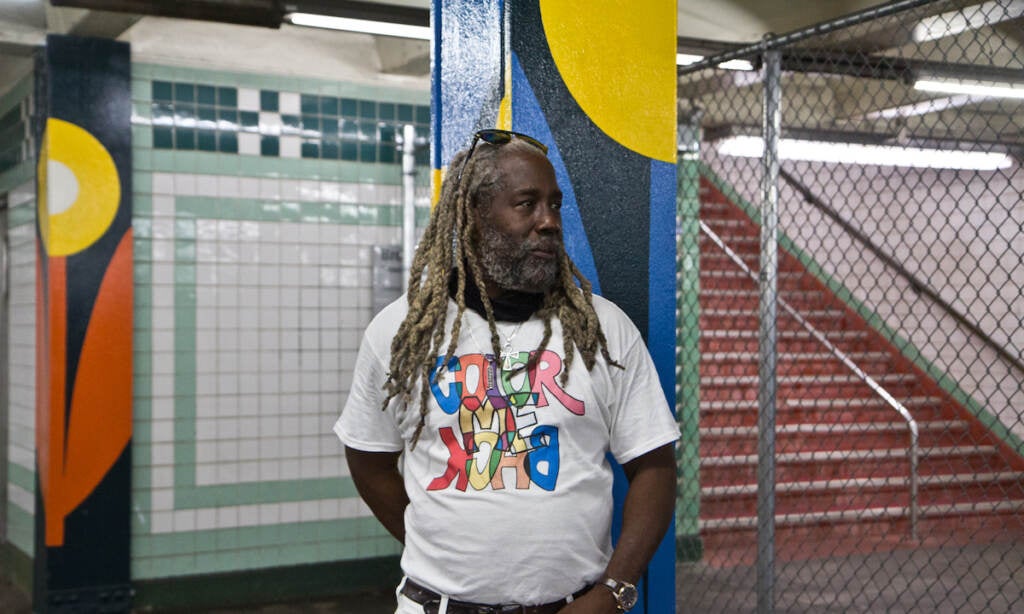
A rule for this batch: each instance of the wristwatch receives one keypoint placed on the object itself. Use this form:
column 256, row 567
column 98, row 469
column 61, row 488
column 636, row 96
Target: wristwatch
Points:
column 625, row 593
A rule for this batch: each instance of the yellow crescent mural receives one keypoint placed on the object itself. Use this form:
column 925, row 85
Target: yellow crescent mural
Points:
column 79, row 188
column 617, row 58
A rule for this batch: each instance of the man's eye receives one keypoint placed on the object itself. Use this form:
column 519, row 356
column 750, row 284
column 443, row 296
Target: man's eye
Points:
column 557, row 206
column 525, row 203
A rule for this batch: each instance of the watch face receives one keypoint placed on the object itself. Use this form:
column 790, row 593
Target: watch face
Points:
column 627, row 596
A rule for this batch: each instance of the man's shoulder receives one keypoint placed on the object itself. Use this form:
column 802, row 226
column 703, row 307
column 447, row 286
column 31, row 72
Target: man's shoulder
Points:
column 618, row 328
column 385, row 324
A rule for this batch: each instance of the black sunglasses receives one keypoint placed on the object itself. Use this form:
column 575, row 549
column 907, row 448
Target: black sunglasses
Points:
column 498, row 137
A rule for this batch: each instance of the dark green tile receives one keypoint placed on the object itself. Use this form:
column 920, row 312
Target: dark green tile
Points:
column 291, row 124
column 208, row 114
column 386, row 110
column 227, row 96
column 250, row 120
column 270, row 146
column 310, row 150
column 387, row 133
column 206, row 94
column 349, row 151
column 309, row 104
column 268, row 100
column 368, row 131
column 349, row 107
column 163, row 137
column 423, row 156
column 229, row 116
column 405, row 113
column 367, row 109
column 423, row 114
column 207, row 140
column 349, row 129
column 330, row 149
column 329, row 126
column 184, row 138
column 184, row 92
column 328, row 105
column 163, row 91
column 163, row 113
column 310, row 122
column 367, row 152
column 184, row 113
column 227, row 142
column 388, row 154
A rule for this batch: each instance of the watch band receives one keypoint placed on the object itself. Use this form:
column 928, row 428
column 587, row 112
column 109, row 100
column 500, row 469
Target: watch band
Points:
column 625, row 593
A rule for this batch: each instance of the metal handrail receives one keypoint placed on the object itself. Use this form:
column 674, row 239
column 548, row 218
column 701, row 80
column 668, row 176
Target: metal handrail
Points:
column 867, row 379
column 915, row 284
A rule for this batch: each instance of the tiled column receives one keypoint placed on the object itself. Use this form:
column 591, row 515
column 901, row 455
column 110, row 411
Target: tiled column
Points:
column 597, row 85
column 83, row 327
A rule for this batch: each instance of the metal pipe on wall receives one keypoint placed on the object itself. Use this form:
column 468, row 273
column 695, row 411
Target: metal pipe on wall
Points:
column 408, row 201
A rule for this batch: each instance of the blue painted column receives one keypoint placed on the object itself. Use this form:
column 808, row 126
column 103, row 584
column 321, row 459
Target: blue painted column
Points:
column 597, row 84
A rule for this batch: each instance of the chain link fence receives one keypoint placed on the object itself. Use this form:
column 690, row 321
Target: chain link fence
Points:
column 852, row 289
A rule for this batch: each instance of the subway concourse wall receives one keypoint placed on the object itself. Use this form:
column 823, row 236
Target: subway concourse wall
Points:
column 17, row 183
column 260, row 197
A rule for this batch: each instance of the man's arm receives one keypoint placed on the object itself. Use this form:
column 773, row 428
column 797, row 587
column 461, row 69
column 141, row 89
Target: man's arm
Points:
column 646, row 514
column 380, row 484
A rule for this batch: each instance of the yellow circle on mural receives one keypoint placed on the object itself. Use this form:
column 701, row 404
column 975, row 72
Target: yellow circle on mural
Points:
column 79, row 188
column 617, row 57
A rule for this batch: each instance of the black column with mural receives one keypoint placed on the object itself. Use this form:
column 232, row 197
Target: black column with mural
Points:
column 83, row 327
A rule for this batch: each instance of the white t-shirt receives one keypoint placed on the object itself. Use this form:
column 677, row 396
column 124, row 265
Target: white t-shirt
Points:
column 509, row 485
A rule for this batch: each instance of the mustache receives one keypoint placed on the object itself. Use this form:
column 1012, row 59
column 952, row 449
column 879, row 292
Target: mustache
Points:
column 551, row 244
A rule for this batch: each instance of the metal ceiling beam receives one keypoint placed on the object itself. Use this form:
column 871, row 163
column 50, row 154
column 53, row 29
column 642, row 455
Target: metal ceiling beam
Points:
column 265, row 13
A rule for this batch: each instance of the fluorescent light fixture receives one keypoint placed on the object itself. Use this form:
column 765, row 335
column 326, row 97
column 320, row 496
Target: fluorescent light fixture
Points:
column 737, row 65
column 364, row 26
column 685, row 59
column 970, row 18
column 855, row 153
column 934, row 105
column 971, row 88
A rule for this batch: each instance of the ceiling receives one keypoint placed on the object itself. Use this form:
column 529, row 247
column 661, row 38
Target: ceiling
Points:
column 24, row 23
column 845, row 99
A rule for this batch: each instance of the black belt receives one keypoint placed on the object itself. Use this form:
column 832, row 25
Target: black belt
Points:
column 431, row 603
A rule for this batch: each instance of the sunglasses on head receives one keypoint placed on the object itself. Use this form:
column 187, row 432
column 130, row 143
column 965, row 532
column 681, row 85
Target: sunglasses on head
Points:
column 494, row 136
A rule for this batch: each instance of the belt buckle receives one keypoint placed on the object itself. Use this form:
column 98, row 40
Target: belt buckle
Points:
column 432, row 606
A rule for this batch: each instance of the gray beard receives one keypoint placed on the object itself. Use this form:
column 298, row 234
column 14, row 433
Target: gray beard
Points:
column 511, row 266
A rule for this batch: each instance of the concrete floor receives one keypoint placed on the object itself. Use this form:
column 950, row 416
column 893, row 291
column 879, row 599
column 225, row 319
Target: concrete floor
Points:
column 985, row 578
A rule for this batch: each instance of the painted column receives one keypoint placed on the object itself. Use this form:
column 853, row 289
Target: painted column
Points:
column 84, row 327
column 597, row 84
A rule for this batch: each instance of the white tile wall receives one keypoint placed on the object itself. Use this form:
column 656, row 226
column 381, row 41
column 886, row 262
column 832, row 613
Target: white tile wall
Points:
column 280, row 308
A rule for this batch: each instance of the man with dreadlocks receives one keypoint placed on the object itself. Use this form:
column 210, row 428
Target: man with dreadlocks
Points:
column 485, row 403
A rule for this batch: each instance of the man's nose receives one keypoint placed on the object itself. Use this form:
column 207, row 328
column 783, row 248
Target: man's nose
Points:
column 549, row 219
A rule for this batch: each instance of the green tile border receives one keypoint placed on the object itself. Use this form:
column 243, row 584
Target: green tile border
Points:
column 21, row 90
column 278, row 584
column 907, row 349
column 688, row 348
column 21, row 527
column 282, row 83
column 17, row 175
column 188, row 495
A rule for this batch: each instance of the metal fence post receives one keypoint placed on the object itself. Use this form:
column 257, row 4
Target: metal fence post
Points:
column 767, row 337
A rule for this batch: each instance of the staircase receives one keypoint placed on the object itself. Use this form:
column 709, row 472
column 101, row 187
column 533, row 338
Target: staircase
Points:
column 842, row 458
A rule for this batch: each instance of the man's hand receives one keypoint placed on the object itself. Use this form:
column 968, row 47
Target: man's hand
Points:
column 380, row 484
column 597, row 600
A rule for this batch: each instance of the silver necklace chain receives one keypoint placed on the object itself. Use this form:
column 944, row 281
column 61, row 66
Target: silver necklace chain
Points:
column 506, row 349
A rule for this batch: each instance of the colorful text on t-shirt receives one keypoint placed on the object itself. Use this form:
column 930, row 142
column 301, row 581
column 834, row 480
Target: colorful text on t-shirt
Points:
column 496, row 409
